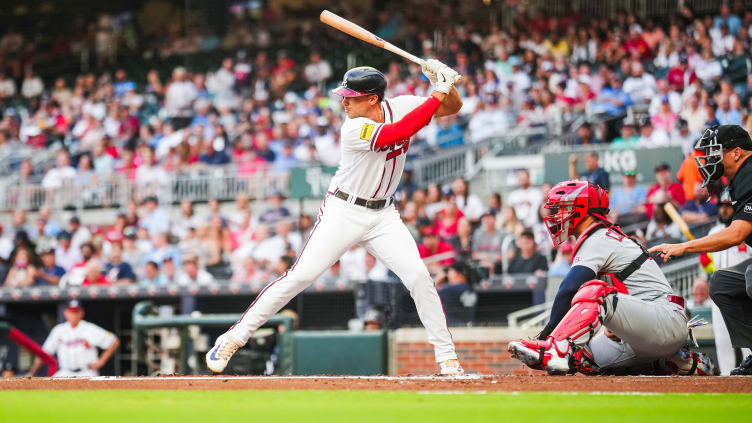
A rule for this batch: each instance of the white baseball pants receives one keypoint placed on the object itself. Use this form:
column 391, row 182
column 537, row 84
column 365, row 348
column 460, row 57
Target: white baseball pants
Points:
column 340, row 225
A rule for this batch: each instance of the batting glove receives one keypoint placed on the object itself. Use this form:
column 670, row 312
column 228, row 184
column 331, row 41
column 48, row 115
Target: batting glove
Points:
column 430, row 68
column 445, row 79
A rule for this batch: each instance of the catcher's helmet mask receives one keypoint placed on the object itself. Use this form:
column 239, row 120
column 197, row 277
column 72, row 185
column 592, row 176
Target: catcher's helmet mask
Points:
column 570, row 202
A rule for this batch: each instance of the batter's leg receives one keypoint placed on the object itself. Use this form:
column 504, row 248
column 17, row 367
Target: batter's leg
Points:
column 391, row 242
column 338, row 227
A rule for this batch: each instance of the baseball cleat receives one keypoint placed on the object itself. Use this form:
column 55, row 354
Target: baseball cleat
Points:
column 542, row 355
column 218, row 357
column 689, row 363
column 744, row 369
column 451, row 367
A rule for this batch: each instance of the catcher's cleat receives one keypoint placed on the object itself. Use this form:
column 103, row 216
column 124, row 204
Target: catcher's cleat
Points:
column 549, row 355
column 688, row 363
column 744, row 369
column 451, row 367
column 218, row 357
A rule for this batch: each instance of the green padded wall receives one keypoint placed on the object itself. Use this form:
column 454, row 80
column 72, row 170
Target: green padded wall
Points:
column 339, row 353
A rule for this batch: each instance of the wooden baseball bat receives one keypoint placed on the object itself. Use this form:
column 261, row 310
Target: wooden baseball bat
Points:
column 342, row 24
column 674, row 215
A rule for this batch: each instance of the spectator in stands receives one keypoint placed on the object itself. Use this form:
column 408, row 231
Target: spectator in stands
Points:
column 651, row 137
column 248, row 272
column 179, row 98
column 469, row 204
column 332, row 277
column 118, row 271
column 593, row 173
column 448, row 217
column 640, row 85
column 694, row 114
column 276, row 211
column 285, row 160
column 462, row 241
column 612, row 100
column 683, row 138
column 510, row 223
column 700, row 295
column 318, row 70
column 525, row 200
column 80, row 235
column 61, row 175
column 169, row 271
column 32, row 86
column 151, row 276
column 51, row 228
column 628, row 199
column 66, row 256
column 665, row 120
column 150, row 176
column 94, row 275
column 487, row 240
column 585, row 135
column 375, row 270
column 457, row 295
column 155, row 220
column 629, row 137
column 725, row 115
column 563, row 261
column 132, row 253
column 433, row 250
column 665, row 189
column 698, row 210
column 661, row 226
column 7, row 86
column 162, row 249
column 192, row 274
column 48, row 273
column 22, row 272
column 527, row 260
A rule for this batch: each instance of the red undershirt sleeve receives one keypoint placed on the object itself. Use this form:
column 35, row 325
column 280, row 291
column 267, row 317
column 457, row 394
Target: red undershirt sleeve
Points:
column 406, row 127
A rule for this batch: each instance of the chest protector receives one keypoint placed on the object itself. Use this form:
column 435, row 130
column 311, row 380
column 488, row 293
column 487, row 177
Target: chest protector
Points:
column 615, row 279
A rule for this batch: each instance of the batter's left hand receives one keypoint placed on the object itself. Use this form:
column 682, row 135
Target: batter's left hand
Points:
column 667, row 251
column 430, row 68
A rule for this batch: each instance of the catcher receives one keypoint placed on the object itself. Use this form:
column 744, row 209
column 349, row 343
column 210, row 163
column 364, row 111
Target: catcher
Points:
column 614, row 283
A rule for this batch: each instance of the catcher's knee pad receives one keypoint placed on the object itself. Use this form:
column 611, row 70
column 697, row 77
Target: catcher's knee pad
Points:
column 589, row 308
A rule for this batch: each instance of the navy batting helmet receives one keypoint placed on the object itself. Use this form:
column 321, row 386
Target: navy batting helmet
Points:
column 363, row 80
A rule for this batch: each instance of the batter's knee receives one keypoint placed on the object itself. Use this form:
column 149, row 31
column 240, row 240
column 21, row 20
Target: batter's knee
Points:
column 416, row 279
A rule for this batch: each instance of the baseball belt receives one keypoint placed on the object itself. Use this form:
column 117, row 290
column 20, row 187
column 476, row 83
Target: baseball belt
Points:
column 369, row 204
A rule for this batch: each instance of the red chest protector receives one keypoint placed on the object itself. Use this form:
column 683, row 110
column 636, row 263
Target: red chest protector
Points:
column 615, row 279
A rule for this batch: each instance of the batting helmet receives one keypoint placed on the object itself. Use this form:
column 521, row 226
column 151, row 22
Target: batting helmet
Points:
column 712, row 143
column 570, row 202
column 363, row 80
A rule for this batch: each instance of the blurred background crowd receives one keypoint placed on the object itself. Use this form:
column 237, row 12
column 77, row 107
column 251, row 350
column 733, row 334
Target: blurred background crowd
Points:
column 138, row 98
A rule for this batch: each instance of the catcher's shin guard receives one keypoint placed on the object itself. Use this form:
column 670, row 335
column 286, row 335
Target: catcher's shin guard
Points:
column 564, row 350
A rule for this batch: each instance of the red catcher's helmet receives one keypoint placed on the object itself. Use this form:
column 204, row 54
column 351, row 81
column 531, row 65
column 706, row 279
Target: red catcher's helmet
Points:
column 570, row 202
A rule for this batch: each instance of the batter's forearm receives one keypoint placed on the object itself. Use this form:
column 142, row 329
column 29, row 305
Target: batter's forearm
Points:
column 450, row 104
column 392, row 133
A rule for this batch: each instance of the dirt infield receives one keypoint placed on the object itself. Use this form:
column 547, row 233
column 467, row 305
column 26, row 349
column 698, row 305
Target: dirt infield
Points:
column 464, row 384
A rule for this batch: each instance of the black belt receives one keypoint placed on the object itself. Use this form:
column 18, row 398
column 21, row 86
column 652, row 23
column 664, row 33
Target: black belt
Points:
column 369, row 204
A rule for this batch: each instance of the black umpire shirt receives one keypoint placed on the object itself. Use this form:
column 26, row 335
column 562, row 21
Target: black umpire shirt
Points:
column 740, row 191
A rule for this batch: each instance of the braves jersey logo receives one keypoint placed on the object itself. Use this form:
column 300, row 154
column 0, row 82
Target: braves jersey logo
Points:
column 395, row 149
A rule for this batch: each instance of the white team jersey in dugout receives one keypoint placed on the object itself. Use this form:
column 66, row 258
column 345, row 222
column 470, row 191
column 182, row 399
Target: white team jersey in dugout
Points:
column 76, row 348
column 367, row 173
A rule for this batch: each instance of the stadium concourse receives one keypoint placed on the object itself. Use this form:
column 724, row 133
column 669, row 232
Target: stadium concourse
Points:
column 154, row 155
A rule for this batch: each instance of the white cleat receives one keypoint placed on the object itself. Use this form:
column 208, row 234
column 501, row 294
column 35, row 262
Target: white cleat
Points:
column 451, row 367
column 218, row 357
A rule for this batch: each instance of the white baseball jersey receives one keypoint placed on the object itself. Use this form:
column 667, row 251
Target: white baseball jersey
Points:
column 76, row 348
column 607, row 251
column 365, row 171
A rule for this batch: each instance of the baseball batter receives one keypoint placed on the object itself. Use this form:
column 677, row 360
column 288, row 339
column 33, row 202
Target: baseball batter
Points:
column 75, row 344
column 359, row 208
column 612, row 283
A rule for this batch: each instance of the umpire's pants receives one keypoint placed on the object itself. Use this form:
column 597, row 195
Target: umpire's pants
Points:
column 731, row 291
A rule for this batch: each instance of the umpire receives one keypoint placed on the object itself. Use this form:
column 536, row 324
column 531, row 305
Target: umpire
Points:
column 726, row 151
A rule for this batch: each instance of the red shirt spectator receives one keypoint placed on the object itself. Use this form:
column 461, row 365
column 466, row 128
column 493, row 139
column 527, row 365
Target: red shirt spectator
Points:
column 446, row 220
column 432, row 246
column 664, row 190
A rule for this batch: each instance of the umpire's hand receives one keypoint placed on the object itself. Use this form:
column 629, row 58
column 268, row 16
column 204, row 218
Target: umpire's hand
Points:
column 668, row 250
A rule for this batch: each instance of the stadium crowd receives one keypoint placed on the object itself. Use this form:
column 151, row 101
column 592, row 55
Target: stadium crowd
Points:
column 643, row 84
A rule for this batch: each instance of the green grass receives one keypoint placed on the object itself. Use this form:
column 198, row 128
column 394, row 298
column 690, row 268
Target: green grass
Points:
column 358, row 407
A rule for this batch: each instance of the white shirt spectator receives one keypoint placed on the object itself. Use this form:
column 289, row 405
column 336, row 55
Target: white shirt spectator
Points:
column 202, row 278
column 179, row 98
column 658, row 138
column 7, row 87
column 352, row 264
column 471, row 207
column 708, row 70
column 641, row 89
column 32, row 87
column 526, row 203
column 57, row 176
column 269, row 249
column 486, row 123
column 674, row 100
column 67, row 258
column 317, row 72
column 80, row 237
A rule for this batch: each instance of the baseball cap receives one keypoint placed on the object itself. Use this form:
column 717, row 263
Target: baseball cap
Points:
column 630, row 173
column 64, row 235
column 73, row 305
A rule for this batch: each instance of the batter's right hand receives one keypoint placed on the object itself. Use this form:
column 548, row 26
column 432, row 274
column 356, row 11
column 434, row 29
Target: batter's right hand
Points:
column 431, row 68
